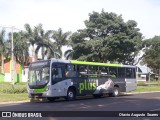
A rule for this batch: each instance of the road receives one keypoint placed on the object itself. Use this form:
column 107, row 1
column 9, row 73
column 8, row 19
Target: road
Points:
column 133, row 102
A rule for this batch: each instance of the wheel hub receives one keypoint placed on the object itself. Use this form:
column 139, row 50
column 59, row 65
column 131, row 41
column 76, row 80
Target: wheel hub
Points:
column 70, row 94
column 116, row 92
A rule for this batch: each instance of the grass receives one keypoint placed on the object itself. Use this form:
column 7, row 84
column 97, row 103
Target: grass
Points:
column 9, row 93
column 13, row 97
column 147, row 88
column 9, row 88
column 147, row 83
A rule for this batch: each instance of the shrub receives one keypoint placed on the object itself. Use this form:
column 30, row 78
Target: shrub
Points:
column 14, row 90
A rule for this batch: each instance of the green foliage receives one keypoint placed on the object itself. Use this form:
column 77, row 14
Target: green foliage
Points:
column 15, row 90
column 152, row 54
column 60, row 38
column 21, row 48
column 2, row 41
column 107, row 38
column 50, row 42
column 2, row 49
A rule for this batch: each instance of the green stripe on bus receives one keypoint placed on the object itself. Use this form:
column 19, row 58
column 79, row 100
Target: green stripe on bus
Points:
column 94, row 63
column 40, row 90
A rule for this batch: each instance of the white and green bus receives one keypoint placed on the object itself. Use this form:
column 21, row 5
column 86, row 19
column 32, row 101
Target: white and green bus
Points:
column 57, row 78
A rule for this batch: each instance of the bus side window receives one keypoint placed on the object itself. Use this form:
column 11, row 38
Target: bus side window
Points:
column 103, row 71
column 130, row 72
column 70, row 70
column 56, row 73
column 113, row 72
column 82, row 70
column 92, row 71
column 134, row 72
column 121, row 72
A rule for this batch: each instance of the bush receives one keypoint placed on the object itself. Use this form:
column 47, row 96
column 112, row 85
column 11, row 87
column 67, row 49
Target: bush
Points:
column 14, row 90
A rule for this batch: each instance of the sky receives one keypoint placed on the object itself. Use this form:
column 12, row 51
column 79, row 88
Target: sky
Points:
column 71, row 14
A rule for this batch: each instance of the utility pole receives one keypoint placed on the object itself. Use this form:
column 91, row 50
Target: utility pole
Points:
column 149, row 78
column 12, row 54
column 13, row 63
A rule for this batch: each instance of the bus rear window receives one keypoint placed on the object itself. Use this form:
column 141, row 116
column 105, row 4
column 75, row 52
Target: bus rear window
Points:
column 130, row 73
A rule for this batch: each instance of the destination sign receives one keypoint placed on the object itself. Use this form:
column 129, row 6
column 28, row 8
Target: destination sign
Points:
column 37, row 64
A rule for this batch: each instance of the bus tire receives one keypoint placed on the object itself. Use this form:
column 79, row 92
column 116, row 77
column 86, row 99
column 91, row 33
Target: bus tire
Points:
column 51, row 99
column 71, row 94
column 115, row 92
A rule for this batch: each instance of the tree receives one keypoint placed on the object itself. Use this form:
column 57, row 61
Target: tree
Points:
column 30, row 35
column 107, row 38
column 43, row 41
column 152, row 54
column 48, row 46
column 2, row 49
column 21, row 48
column 60, row 39
column 68, row 54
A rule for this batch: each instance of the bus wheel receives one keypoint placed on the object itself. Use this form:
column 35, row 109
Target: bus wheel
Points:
column 71, row 95
column 115, row 92
column 51, row 99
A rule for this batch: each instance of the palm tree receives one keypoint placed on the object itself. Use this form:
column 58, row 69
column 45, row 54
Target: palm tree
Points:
column 30, row 35
column 21, row 46
column 68, row 54
column 61, row 39
column 2, row 49
column 43, row 41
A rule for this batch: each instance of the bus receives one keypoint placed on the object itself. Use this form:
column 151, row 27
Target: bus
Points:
column 57, row 78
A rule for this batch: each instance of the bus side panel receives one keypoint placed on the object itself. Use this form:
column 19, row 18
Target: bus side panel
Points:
column 60, row 88
column 84, row 86
column 105, row 85
column 102, row 86
column 120, row 82
column 91, row 86
column 131, row 84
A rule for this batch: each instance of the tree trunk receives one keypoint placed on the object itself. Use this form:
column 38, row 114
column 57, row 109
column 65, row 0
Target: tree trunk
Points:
column 159, row 74
column 2, row 63
column 33, row 54
column 43, row 53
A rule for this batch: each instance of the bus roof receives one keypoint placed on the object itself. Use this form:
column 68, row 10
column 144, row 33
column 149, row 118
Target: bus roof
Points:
column 91, row 63
column 100, row 64
column 94, row 63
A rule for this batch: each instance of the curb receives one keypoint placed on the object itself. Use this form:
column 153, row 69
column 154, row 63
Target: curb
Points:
column 141, row 92
column 14, row 102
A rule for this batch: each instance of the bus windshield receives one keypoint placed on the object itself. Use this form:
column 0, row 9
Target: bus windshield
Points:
column 39, row 75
